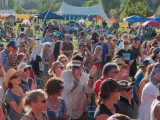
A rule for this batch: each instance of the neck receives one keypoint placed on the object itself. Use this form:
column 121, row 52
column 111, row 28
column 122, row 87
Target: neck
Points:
column 37, row 114
column 24, row 78
column 15, row 87
column 109, row 104
column 53, row 98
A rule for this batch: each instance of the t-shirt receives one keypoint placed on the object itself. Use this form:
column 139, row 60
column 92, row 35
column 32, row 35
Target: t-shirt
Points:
column 13, row 115
column 98, row 84
column 126, row 55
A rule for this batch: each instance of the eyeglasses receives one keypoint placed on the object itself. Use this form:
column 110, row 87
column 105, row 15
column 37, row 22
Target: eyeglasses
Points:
column 63, row 61
column 43, row 101
column 128, row 89
column 15, row 77
column 26, row 69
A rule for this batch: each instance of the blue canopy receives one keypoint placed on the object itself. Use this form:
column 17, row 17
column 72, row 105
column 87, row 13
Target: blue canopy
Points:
column 154, row 18
column 50, row 15
column 134, row 18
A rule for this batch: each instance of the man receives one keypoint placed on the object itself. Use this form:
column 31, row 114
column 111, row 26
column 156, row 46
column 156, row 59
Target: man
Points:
column 76, row 85
column 67, row 46
column 126, row 101
column 5, row 54
column 110, row 70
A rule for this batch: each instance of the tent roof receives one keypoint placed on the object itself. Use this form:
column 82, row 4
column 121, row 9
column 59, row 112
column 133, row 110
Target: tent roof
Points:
column 73, row 10
column 7, row 12
column 50, row 15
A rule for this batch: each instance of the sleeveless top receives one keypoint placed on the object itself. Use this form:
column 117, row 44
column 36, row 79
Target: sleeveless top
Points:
column 102, row 109
column 153, row 106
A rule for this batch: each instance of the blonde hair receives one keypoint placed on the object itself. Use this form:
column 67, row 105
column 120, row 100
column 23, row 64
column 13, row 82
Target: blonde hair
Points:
column 62, row 56
column 53, row 67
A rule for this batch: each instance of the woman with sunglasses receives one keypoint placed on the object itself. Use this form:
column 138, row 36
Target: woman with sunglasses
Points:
column 56, row 107
column 63, row 59
column 14, row 94
column 56, row 69
column 35, row 101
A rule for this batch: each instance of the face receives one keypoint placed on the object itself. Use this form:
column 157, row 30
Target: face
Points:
column 64, row 61
column 40, row 104
column 113, row 73
column 59, row 69
column 115, row 96
column 15, row 79
column 101, row 39
column 126, row 44
column 157, row 76
column 26, row 72
column 127, row 93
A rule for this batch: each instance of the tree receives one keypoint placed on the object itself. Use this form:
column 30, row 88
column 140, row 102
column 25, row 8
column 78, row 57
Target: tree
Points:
column 158, row 11
column 11, row 4
column 91, row 2
column 113, row 13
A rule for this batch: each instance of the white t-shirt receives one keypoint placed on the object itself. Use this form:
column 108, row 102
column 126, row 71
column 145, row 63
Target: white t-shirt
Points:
column 149, row 93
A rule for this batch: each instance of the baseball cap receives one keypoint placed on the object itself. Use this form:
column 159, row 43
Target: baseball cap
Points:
column 23, row 66
column 137, row 38
column 13, row 44
column 108, row 68
column 110, row 85
column 76, row 61
column 127, row 83
column 144, row 63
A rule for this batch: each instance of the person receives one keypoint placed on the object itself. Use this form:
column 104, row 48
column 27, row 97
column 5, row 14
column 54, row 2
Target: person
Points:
column 126, row 101
column 76, row 84
column 108, row 96
column 5, row 54
column 63, row 59
column 155, row 108
column 56, row 107
column 36, row 102
column 110, row 70
column 149, row 93
column 14, row 94
column 57, row 49
column 67, row 46
column 56, row 69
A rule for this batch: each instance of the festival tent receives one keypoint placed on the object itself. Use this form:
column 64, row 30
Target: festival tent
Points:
column 50, row 15
column 134, row 18
column 95, row 10
column 152, row 23
column 154, row 18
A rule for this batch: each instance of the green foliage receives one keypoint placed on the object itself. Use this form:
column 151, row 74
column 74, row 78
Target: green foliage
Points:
column 158, row 11
column 113, row 13
column 11, row 4
column 19, row 9
column 136, row 7
column 91, row 2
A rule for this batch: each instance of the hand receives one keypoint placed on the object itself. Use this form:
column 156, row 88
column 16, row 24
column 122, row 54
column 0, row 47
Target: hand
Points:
column 34, row 85
column 93, row 71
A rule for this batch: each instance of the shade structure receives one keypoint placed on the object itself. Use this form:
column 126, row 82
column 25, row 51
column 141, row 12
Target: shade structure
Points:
column 134, row 18
column 50, row 15
column 154, row 18
column 152, row 23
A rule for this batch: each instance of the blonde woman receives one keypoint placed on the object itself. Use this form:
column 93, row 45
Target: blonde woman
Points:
column 56, row 69
column 63, row 59
column 46, row 59
column 36, row 101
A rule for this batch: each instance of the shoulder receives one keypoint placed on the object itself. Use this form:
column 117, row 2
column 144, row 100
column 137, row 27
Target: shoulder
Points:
column 24, row 87
column 102, row 117
column 157, row 111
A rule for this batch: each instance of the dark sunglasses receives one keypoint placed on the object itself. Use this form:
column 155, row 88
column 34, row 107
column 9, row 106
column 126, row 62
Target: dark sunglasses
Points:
column 63, row 61
column 26, row 69
column 15, row 77
column 43, row 101
column 128, row 89
column 76, row 67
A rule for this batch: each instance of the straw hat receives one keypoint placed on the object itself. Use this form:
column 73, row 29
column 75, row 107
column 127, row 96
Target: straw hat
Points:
column 8, row 75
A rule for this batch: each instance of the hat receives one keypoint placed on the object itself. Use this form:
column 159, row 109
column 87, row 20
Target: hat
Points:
column 23, row 66
column 144, row 63
column 127, row 83
column 137, row 38
column 8, row 76
column 156, row 50
column 81, row 43
column 13, row 44
column 76, row 61
column 110, row 85
column 118, row 116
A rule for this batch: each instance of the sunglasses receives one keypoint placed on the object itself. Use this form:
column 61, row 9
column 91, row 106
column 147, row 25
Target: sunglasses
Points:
column 43, row 101
column 76, row 67
column 26, row 69
column 15, row 77
column 128, row 89
column 63, row 61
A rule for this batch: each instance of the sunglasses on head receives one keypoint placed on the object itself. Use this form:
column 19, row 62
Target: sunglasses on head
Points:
column 15, row 77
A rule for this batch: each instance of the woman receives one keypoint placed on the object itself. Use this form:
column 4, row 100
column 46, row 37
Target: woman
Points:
column 109, row 95
column 56, row 69
column 63, row 59
column 144, row 81
column 15, row 94
column 46, row 60
column 57, row 49
column 56, row 107
column 36, row 100
column 149, row 93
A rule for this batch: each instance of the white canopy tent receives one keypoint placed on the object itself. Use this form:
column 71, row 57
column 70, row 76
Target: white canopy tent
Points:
column 73, row 10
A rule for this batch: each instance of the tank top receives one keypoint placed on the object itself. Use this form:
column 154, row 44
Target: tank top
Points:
column 154, row 104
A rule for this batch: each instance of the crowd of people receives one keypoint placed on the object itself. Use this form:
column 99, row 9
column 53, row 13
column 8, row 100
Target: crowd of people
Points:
column 88, row 75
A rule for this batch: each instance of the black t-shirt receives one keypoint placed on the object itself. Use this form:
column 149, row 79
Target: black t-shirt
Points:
column 126, row 55
column 102, row 109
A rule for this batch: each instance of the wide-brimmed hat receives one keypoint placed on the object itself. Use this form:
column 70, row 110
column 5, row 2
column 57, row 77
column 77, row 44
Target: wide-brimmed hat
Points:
column 8, row 76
